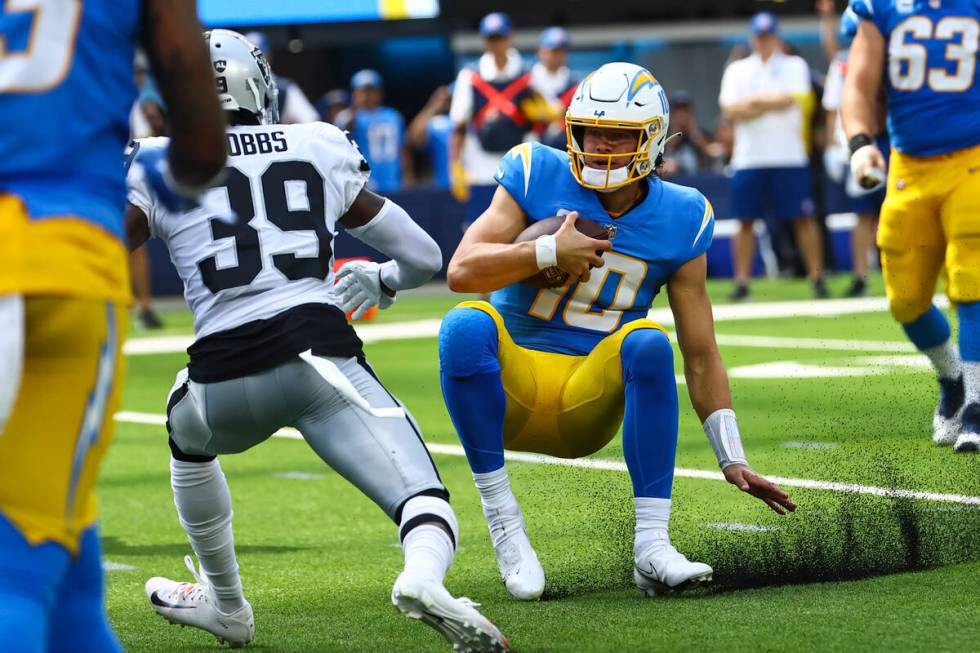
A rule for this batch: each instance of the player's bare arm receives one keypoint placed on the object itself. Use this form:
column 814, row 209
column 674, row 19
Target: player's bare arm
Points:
column 488, row 259
column 859, row 103
column 137, row 227
column 172, row 37
column 707, row 380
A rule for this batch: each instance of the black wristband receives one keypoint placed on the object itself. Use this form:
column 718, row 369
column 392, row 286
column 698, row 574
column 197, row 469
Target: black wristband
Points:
column 859, row 141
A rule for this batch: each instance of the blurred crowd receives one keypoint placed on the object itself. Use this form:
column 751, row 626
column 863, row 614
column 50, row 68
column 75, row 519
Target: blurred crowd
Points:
column 774, row 135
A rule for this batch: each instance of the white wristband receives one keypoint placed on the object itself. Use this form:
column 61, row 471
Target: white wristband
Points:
column 722, row 431
column 546, row 251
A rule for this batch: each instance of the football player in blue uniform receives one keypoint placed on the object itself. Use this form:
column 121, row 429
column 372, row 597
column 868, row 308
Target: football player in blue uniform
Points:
column 924, row 53
column 556, row 371
column 66, row 88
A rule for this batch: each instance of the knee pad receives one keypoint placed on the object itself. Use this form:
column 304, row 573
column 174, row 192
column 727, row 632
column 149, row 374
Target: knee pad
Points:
column 425, row 509
column 176, row 452
column 646, row 353
column 468, row 343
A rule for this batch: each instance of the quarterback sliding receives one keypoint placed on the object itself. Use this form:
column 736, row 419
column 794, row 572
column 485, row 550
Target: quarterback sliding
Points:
column 559, row 370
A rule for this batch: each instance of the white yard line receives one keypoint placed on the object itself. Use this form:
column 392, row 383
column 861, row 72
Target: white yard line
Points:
column 722, row 313
column 611, row 465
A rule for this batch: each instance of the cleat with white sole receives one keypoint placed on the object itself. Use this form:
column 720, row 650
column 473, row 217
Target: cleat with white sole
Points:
column 968, row 440
column 519, row 567
column 662, row 569
column 192, row 604
column 946, row 421
column 456, row 619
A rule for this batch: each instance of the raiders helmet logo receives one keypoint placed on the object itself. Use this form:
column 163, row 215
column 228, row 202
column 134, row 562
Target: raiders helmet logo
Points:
column 220, row 65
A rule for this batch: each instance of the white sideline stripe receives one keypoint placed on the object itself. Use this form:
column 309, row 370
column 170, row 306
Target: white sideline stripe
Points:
column 722, row 313
column 109, row 565
column 611, row 465
column 746, row 528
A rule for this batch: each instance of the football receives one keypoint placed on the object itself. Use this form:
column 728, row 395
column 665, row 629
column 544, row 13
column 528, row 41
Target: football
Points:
column 553, row 277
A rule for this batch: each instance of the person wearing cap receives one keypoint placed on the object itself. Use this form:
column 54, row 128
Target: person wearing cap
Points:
column 379, row 132
column 488, row 107
column 763, row 95
column 294, row 107
column 332, row 104
column 553, row 81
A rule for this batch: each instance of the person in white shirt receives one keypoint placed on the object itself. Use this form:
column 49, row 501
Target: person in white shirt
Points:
column 866, row 203
column 763, row 95
column 488, row 107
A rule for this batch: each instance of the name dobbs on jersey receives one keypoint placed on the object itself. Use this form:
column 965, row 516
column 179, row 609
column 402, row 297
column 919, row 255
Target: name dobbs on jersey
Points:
column 256, row 143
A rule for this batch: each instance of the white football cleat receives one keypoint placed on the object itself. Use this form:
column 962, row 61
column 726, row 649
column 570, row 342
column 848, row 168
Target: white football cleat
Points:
column 192, row 604
column 946, row 421
column 457, row 619
column 968, row 440
column 662, row 569
column 518, row 563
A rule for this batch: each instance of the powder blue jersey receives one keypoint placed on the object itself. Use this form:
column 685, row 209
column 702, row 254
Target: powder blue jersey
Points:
column 66, row 89
column 930, row 71
column 380, row 134
column 671, row 226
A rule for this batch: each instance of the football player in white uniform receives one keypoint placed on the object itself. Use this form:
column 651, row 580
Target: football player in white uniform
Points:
column 273, row 347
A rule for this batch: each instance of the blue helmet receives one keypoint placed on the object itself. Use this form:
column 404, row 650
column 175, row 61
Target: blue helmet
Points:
column 848, row 27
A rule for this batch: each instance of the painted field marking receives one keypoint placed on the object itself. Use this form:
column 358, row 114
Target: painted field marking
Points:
column 109, row 565
column 745, row 528
column 722, row 313
column 612, row 465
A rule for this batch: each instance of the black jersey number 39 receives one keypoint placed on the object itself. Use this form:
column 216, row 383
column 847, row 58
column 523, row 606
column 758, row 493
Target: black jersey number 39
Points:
column 247, row 245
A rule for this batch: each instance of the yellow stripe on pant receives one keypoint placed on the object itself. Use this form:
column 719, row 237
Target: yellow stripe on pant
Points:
column 62, row 420
column 930, row 221
column 561, row 405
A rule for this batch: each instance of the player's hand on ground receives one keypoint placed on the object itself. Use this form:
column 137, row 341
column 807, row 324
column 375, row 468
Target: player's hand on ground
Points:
column 748, row 481
column 359, row 288
column 868, row 166
column 576, row 252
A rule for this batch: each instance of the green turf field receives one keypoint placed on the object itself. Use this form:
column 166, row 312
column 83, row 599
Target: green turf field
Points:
column 849, row 571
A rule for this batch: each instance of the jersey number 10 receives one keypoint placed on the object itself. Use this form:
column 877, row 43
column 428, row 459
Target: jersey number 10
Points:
column 277, row 210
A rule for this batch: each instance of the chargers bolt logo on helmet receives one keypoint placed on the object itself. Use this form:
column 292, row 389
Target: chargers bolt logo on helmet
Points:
column 620, row 96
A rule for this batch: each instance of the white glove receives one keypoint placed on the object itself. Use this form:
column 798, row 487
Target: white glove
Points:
column 359, row 287
column 868, row 166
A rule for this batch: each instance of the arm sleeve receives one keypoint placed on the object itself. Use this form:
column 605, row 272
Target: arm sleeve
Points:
column 461, row 106
column 416, row 257
column 706, row 226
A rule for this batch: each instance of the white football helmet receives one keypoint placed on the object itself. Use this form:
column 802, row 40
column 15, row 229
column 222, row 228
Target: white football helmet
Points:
column 243, row 76
column 617, row 96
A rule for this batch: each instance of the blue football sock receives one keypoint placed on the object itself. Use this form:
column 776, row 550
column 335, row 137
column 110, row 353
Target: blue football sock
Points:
column 650, row 421
column 969, row 315
column 929, row 330
column 471, row 386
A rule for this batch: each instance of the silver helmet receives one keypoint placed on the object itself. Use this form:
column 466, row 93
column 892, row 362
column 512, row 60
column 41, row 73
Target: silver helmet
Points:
column 243, row 76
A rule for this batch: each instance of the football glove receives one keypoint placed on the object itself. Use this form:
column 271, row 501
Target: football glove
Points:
column 359, row 288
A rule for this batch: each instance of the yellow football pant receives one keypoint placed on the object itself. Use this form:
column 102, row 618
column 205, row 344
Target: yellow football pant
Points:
column 62, row 418
column 560, row 405
column 930, row 218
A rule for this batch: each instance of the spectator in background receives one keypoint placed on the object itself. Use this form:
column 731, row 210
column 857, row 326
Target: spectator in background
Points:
column 431, row 131
column 762, row 94
column 553, row 81
column 866, row 204
column 378, row 130
column 294, row 107
column 689, row 150
column 488, row 108
column 332, row 104
column 152, row 121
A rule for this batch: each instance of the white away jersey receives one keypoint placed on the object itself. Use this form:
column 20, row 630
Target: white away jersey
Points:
column 261, row 241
